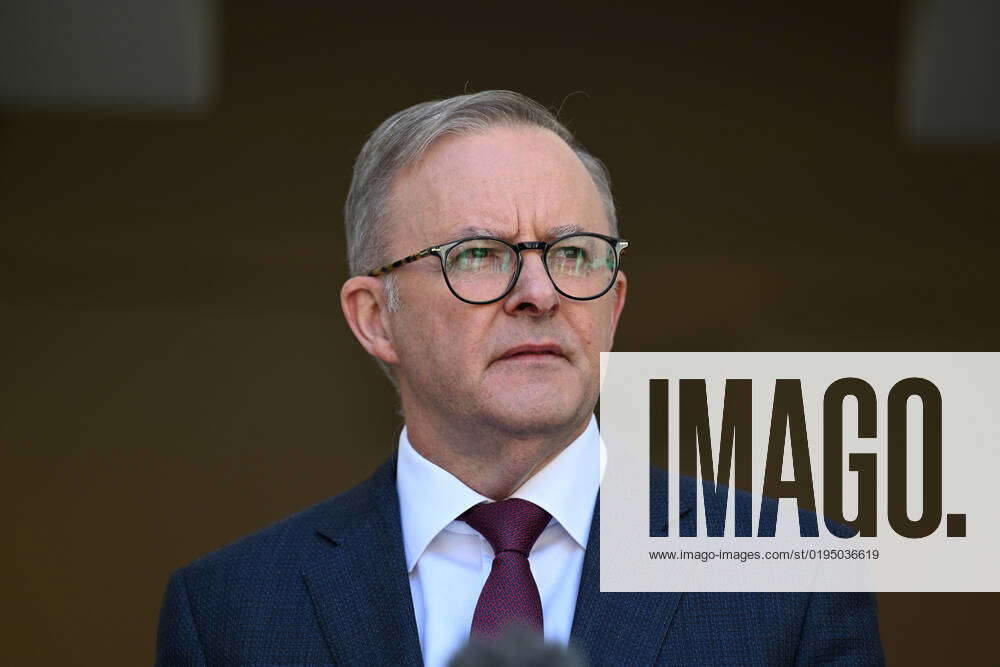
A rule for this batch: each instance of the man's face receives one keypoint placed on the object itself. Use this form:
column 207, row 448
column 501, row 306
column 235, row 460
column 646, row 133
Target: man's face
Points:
column 458, row 361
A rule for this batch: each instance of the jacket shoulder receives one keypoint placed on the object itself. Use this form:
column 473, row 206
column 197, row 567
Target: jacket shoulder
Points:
column 281, row 545
column 240, row 604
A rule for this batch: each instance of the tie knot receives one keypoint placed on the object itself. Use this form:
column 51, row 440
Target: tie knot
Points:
column 508, row 525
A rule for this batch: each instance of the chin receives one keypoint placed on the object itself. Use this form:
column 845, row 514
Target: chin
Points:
column 540, row 409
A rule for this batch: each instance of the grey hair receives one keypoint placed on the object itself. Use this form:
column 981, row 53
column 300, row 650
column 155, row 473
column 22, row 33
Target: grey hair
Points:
column 403, row 138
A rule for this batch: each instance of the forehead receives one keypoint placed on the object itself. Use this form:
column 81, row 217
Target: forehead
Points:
column 514, row 182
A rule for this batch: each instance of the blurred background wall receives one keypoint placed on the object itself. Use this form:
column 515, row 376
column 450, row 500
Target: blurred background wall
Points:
column 176, row 370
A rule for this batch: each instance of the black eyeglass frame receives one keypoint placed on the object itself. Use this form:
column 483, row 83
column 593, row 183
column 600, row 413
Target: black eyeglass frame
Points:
column 442, row 250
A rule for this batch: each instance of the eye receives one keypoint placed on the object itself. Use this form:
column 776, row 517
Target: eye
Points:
column 570, row 252
column 474, row 253
column 479, row 256
column 474, row 257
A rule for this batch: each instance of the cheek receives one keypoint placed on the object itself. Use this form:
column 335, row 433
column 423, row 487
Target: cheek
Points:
column 593, row 331
column 442, row 340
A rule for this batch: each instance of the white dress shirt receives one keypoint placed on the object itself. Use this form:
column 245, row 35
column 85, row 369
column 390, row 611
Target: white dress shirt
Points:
column 448, row 561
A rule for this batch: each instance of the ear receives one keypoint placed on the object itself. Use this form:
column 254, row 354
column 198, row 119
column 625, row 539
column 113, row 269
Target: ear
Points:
column 363, row 302
column 621, row 285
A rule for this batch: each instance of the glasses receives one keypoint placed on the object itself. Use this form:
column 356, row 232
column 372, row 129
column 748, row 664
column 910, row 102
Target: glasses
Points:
column 484, row 269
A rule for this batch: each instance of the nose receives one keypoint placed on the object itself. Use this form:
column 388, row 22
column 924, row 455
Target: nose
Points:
column 534, row 292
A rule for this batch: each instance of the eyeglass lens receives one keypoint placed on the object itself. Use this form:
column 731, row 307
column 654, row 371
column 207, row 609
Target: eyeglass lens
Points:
column 483, row 269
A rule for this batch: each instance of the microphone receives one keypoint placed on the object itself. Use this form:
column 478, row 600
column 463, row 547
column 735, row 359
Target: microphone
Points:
column 516, row 648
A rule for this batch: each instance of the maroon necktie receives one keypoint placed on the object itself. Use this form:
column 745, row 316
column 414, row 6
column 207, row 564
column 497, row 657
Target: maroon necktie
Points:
column 510, row 595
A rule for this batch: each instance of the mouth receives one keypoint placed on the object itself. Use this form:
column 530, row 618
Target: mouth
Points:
column 533, row 353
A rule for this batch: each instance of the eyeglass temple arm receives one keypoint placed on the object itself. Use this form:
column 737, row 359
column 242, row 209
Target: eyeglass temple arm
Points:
column 382, row 270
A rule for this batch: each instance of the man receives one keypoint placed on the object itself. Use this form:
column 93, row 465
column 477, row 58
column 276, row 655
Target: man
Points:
column 486, row 281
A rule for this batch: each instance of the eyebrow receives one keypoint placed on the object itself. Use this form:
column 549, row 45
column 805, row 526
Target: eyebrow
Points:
column 555, row 232
column 563, row 230
column 474, row 231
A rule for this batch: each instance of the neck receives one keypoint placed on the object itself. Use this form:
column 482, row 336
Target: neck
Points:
column 492, row 461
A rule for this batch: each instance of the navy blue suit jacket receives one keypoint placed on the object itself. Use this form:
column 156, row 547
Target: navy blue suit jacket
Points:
column 329, row 585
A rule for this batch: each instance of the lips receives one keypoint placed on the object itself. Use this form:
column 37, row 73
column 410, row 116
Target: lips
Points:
column 532, row 351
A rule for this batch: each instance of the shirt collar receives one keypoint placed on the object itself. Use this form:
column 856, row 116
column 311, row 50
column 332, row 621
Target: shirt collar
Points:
column 430, row 497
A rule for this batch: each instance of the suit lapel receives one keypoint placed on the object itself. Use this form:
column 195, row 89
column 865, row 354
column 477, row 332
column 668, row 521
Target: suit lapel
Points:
column 622, row 628
column 358, row 580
